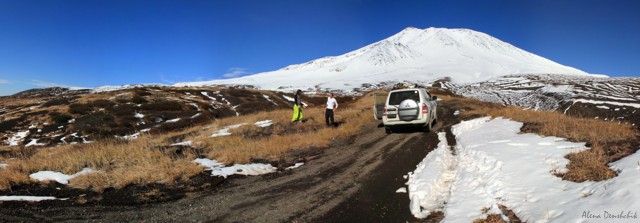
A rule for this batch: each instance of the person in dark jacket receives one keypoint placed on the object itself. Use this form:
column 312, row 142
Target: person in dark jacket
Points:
column 297, row 107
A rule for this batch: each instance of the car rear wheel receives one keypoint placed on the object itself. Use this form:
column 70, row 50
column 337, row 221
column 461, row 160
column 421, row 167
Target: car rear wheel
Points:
column 388, row 130
column 427, row 127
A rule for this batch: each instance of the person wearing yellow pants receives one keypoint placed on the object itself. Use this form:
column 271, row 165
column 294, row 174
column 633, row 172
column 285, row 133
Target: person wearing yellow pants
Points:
column 297, row 107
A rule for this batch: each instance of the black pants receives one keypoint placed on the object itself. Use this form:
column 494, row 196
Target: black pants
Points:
column 328, row 114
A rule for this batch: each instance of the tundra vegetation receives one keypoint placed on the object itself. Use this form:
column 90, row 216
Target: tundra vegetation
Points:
column 151, row 159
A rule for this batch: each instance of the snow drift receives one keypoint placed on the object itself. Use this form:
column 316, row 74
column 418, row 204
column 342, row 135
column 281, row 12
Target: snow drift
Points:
column 496, row 166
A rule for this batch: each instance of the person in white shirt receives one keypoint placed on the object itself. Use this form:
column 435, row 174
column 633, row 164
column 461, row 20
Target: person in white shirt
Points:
column 332, row 105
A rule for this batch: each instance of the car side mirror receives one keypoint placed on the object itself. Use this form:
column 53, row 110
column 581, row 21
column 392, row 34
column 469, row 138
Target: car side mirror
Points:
column 434, row 97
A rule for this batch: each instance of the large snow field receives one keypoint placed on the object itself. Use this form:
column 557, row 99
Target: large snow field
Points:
column 494, row 165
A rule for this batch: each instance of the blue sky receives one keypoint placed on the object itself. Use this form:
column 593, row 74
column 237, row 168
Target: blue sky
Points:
column 93, row 43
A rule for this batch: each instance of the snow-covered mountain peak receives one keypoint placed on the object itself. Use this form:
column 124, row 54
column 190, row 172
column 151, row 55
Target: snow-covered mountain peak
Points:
column 418, row 55
column 406, row 35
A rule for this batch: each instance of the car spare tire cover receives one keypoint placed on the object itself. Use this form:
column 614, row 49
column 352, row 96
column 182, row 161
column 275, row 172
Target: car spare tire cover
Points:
column 408, row 110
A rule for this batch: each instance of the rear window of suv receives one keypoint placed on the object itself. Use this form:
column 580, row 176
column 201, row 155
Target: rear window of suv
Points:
column 396, row 97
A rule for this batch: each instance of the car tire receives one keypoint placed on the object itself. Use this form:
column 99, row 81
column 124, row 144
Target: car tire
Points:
column 388, row 130
column 427, row 127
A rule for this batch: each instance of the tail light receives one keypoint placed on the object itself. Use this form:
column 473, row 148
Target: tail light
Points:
column 424, row 109
column 384, row 111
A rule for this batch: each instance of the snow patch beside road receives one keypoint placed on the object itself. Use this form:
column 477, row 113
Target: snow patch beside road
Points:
column 185, row 143
column 264, row 124
column 295, row 166
column 218, row 168
column 29, row 198
column 495, row 166
column 430, row 184
column 225, row 131
column 57, row 176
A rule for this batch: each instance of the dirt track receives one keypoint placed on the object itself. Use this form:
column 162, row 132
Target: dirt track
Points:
column 353, row 182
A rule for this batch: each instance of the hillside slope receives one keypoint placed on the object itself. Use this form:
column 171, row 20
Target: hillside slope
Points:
column 610, row 99
column 463, row 55
column 58, row 116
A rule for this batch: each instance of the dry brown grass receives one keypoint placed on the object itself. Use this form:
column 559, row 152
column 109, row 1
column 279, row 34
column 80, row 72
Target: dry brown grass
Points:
column 434, row 216
column 20, row 101
column 497, row 218
column 250, row 141
column 10, row 177
column 588, row 165
column 609, row 141
column 118, row 164
column 492, row 218
column 556, row 124
column 147, row 160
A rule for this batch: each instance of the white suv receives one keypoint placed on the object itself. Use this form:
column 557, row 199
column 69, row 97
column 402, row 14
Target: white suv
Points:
column 406, row 107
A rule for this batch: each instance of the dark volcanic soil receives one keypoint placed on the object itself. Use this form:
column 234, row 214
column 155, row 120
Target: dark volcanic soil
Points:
column 353, row 182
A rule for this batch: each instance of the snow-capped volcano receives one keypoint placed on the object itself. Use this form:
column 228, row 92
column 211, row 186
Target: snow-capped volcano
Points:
column 464, row 55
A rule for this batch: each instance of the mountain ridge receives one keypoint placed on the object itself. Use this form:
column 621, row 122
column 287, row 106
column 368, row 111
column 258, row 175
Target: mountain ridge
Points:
column 464, row 55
